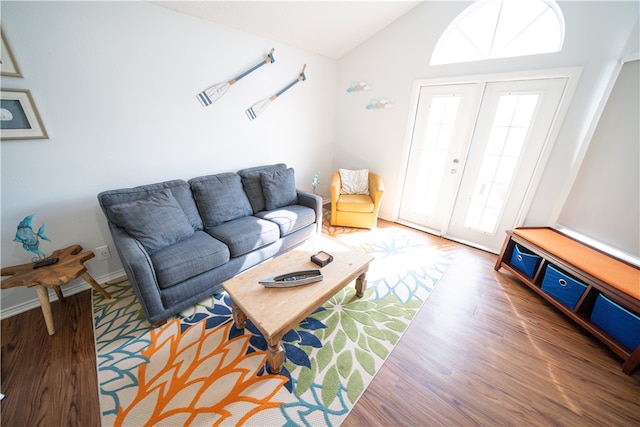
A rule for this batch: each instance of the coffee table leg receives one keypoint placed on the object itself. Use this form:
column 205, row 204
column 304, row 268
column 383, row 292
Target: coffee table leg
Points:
column 43, row 295
column 275, row 356
column 239, row 317
column 361, row 284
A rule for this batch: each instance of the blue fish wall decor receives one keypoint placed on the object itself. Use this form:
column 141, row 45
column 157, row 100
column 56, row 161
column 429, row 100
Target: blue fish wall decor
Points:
column 30, row 240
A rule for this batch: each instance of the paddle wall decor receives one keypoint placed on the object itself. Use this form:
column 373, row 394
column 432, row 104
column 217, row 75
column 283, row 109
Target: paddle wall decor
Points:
column 260, row 106
column 215, row 92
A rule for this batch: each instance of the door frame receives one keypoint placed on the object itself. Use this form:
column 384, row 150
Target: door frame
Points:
column 573, row 76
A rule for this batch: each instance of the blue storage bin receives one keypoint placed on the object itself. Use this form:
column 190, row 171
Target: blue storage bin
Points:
column 524, row 261
column 562, row 287
column 617, row 321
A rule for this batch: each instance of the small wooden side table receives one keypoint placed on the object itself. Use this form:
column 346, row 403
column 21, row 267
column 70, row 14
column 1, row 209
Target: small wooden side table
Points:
column 70, row 266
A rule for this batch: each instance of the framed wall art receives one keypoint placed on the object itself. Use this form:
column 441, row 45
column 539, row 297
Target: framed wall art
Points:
column 19, row 118
column 8, row 65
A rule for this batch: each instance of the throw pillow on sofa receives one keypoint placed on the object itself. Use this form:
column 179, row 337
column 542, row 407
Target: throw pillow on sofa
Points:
column 220, row 198
column 279, row 188
column 156, row 221
column 253, row 185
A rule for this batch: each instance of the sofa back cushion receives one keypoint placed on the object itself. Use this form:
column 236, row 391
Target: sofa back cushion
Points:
column 157, row 221
column 220, row 198
column 279, row 188
column 179, row 189
column 253, row 184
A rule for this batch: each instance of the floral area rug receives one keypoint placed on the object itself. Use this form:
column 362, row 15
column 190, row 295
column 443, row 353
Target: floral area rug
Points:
column 198, row 369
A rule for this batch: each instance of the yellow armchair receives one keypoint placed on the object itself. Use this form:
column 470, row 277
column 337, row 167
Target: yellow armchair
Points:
column 356, row 210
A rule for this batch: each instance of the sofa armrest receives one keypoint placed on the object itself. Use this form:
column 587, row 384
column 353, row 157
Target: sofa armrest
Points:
column 139, row 269
column 314, row 202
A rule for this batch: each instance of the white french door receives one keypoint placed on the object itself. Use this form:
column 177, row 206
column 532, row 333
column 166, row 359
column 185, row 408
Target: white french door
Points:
column 473, row 156
column 443, row 127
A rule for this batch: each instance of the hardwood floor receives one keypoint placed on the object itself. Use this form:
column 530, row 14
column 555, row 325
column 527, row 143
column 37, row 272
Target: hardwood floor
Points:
column 486, row 350
column 50, row 380
column 483, row 350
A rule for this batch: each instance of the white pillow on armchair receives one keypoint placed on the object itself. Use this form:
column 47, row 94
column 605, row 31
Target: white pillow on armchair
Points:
column 354, row 181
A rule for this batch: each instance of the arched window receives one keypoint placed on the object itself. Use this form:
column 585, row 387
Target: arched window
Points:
column 500, row 29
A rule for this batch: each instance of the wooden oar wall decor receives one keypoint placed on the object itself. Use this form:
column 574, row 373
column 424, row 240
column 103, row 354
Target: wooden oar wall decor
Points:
column 215, row 92
column 260, row 106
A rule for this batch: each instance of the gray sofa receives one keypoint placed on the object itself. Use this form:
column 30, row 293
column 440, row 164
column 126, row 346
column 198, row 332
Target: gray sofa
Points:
column 178, row 241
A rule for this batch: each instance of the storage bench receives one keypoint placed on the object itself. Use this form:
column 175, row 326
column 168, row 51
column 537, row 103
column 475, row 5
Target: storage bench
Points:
column 599, row 292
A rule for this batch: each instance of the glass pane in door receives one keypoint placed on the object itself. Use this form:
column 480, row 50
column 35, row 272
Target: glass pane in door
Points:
column 507, row 136
column 433, row 159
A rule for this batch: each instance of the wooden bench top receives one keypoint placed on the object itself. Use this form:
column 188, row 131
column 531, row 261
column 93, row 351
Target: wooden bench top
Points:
column 606, row 268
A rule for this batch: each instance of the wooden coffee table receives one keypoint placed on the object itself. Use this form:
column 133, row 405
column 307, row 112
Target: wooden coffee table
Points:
column 275, row 311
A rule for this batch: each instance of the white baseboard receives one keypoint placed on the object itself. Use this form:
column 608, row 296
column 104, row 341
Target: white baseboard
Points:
column 72, row 289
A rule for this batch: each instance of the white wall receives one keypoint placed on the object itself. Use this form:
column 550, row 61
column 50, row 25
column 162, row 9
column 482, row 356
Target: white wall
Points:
column 596, row 34
column 595, row 207
column 116, row 85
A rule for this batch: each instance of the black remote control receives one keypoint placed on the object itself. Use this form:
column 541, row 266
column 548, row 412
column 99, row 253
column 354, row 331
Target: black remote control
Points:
column 45, row 262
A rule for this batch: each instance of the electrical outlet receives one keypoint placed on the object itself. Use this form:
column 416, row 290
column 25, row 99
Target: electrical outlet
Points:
column 103, row 253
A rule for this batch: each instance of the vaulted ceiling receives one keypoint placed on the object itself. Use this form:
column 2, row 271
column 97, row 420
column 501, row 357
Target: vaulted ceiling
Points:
column 328, row 28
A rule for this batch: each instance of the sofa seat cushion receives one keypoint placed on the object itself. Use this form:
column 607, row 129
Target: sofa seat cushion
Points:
column 355, row 203
column 220, row 198
column 253, row 184
column 245, row 234
column 290, row 218
column 188, row 258
column 157, row 221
